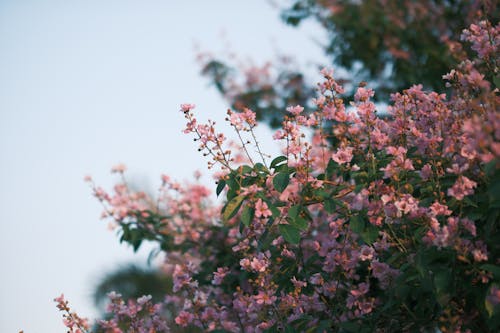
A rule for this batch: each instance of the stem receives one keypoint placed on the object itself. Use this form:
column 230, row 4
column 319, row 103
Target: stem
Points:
column 258, row 147
column 244, row 146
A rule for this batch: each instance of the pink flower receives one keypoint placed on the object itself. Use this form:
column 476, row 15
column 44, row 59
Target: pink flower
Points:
column 297, row 283
column 261, row 209
column 396, row 151
column 236, row 120
column 279, row 135
column 366, row 253
column 462, row 187
column 426, row 172
column 259, row 265
column 479, row 255
column 264, row 298
column 363, row 94
column 406, row 204
column 182, row 278
column 494, row 295
column 481, row 36
column 184, row 318
column 119, row 168
column 327, row 72
column 343, row 155
column 187, row 107
column 250, row 117
column 319, row 101
column 363, row 288
column 317, row 279
column 469, row 225
column 295, row 110
column 144, row 299
column 439, row 209
column 61, row 302
column 165, row 179
column 219, row 275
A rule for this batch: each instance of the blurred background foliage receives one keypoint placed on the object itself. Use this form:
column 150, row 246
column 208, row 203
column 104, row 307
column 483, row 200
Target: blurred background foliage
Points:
column 390, row 44
column 132, row 281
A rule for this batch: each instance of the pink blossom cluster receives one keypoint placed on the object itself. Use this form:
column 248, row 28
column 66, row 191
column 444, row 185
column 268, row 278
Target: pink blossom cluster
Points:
column 360, row 214
column 71, row 320
column 422, row 142
column 141, row 316
column 484, row 37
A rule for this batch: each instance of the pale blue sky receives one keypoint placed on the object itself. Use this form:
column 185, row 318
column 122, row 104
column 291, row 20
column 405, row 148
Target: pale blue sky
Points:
column 86, row 84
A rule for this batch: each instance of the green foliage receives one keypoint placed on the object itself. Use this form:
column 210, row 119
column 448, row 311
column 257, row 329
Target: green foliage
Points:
column 280, row 181
column 232, row 207
column 396, row 43
column 290, row 233
column 132, row 282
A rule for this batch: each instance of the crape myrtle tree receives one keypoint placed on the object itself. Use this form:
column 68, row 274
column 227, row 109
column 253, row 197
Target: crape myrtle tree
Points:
column 391, row 44
column 391, row 227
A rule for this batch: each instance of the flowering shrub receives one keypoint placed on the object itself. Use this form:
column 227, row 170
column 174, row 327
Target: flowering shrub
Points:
column 375, row 225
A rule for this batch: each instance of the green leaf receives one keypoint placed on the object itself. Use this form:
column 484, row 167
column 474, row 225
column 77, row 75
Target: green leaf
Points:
column 294, row 211
column 231, row 194
column 302, row 322
column 493, row 269
column 244, row 169
column 359, row 187
column 295, row 219
column 470, row 202
column 494, row 190
column 298, row 222
column 272, row 329
column 135, row 238
column 276, row 212
column 232, row 183
column 489, row 307
column 331, row 168
column 220, row 186
column 249, row 181
column 357, row 224
column 321, row 193
column 496, row 80
column 290, row 233
column 277, row 161
column 260, row 167
column 442, row 282
column 330, row 206
column 280, row 181
column 490, row 167
column 306, row 214
column 370, row 234
column 247, row 215
column 232, row 207
column 350, row 326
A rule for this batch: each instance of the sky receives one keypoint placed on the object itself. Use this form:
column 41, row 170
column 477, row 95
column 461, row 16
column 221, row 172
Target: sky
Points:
column 87, row 84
